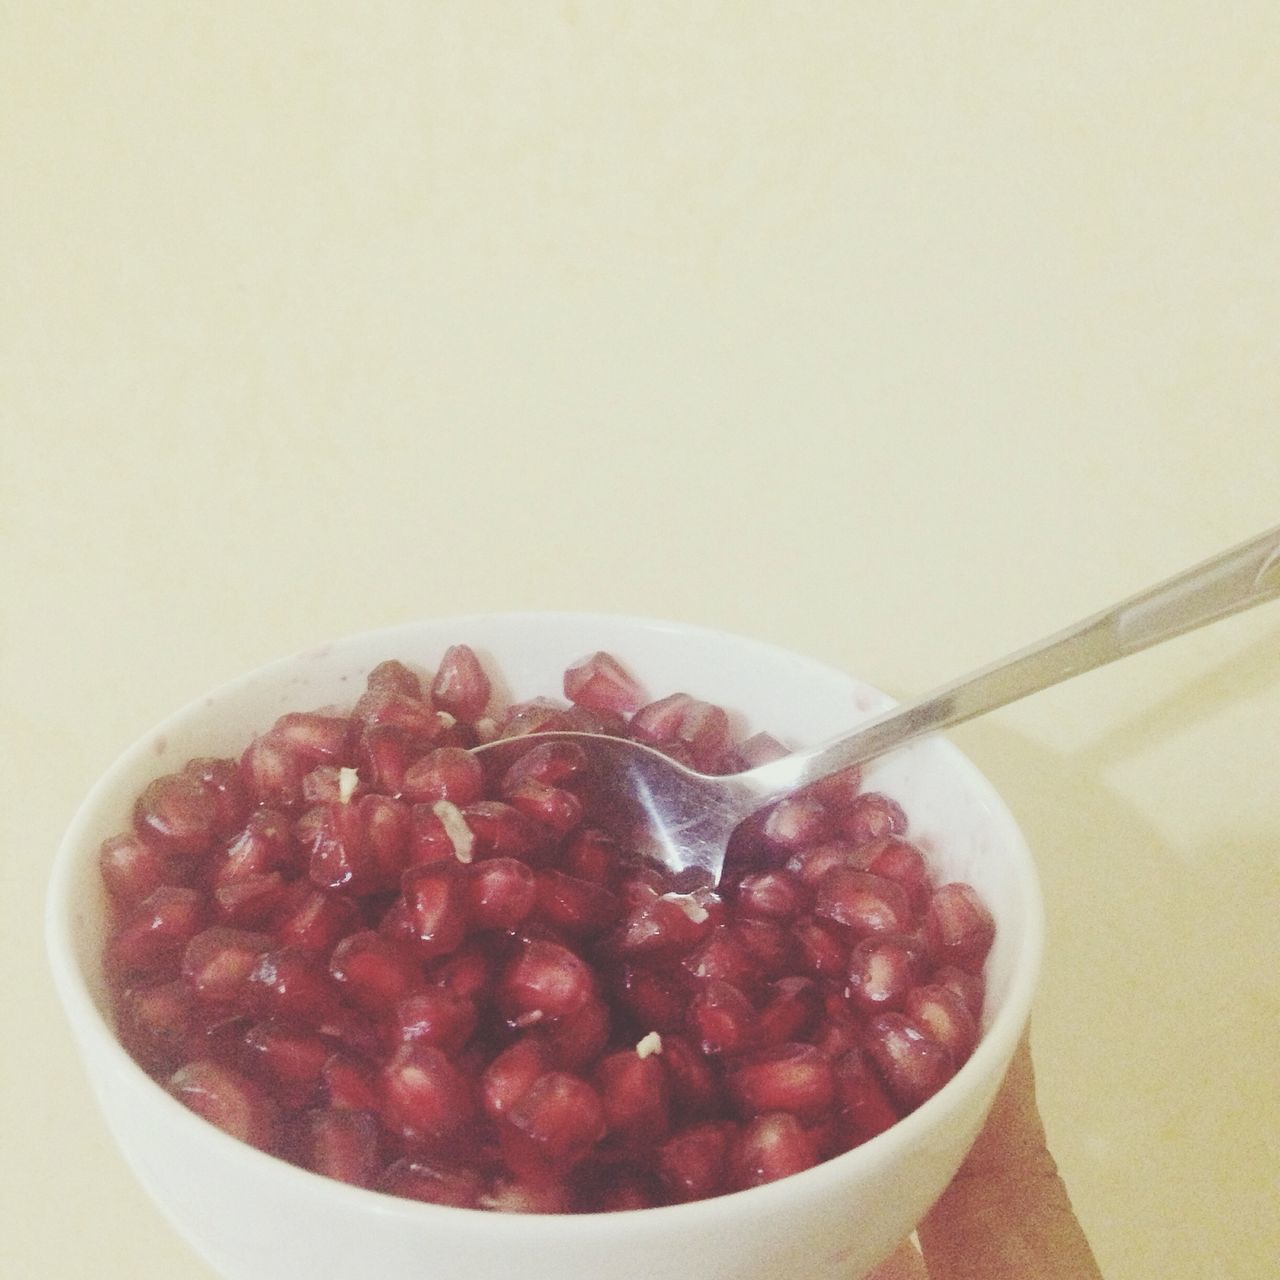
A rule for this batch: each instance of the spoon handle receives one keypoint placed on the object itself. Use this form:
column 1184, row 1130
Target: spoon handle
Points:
column 1228, row 583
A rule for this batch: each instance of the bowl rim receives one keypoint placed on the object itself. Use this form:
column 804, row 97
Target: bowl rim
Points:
column 93, row 1032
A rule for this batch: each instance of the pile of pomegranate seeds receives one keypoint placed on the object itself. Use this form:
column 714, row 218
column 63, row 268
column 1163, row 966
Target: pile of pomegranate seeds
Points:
column 361, row 949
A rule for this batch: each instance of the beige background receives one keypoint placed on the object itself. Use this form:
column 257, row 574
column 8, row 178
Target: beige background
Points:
column 898, row 334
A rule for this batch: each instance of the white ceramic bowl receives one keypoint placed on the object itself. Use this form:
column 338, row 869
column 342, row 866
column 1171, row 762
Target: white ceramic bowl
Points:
column 254, row 1217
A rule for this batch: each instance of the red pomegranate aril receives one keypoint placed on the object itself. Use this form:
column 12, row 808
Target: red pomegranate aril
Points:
column 720, row 1018
column 226, row 1098
column 791, row 1076
column 273, row 772
column 592, row 854
column 790, row 1010
column 250, row 902
column 772, row 895
column 217, row 962
column 863, row 903
column 661, row 923
column 506, row 1194
column 901, row 861
column 444, row 773
column 342, row 1144
column 501, row 830
column 634, row 1092
column 913, row 1065
column 424, row 1096
column 810, row 864
column 225, row 787
column 316, row 920
column 465, row 972
column 543, row 980
column 696, row 1087
column 761, row 748
column 795, row 822
column 319, row 738
column 289, row 982
column 723, row 956
column 822, row 952
column 461, row 687
column 263, row 844
column 362, row 846
column 838, row 790
column 555, row 808
column 152, row 937
column 882, row 969
column 768, row 943
column 872, row 815
column 372, row 972
column 435, row 897
column 958, row 927
column 579, row 907
column 131, row 868
column 693, row 1163
column 510, row 1075
column 383, row 753
column 436, row 1016
column 392, row 676
column 414, row 716
column 943, row 1014
column 970, row 987
column 554, row 764
column 656, row 999
column 768, row 1147
column 289, row 1060
column 176, row 815
column 349, row 1082
column 155, row 1024
column 601, row 683
column 415, row 1179
column 554, row 1125
column 499, row 893
column 866, row 1106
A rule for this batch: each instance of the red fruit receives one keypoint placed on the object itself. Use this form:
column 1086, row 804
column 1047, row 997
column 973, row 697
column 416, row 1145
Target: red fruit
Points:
column 970, row 987
column 412, row 715
column 316, row 920
column 176, row 815
column 721, row 1019
column 273, row 772
column 153, row 936
column 435, row 898
column 288, row 982
column 446, row 773
column 592, row 854
column 791, row 1009
column 217, row 962
column 761, row 748
column 724, row 957
column 431, row 840
column 227, row 1099
column 373, row 973
column 913, row 1065
column 870, row 816
column 795, row 822
column 349, row 1082
column 263, row 844
column 502, row 831
column 882, row 969
column 461, row 686
column 576, row 906
column 289, row 1060
column 362, row 846
column 813, row 862
column 392, row 676
column 383, row 752
column 436, row 1016
column 601, row 683
column 509, row 1076
column 500, row 893
column 768, row 1147
column 155, row 1024
column 251, row 901
column 863, row 903
column 866, row 1107
column 943, row 1014
column 634, row 1093
column 553, row 1126
column 556, row 808
column 772, row 895
column 511, row 1195
column 536, row 715
column 543, row 981
column 321, row 739
column 792, row 1077
column 679, row 721
column 822, row 952
column 897, row 860
column 225, row 787
column 693, row 1164
column 131, row 868
column 464, row 972
column 424, row 1096
column 655, row 999
column 432, row 1184
column 342, row 1144
column 554, row 764
column 695, row 1085
column 958, row 927
column 660, row 923
column 838, row 790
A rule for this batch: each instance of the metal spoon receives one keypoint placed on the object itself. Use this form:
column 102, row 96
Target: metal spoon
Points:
column 684, row 819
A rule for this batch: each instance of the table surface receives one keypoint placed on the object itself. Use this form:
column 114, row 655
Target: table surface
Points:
column 897, row 335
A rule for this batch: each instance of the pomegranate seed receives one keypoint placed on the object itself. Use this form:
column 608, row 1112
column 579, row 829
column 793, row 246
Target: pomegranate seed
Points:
column 289, row 1060
column 772, row 895
column 131, row 868
column 342, row 1144
column 592, row 854
column 810, row 864
column 785, row 1077
column 693, row 1164
column 768, row 1147
column 536, row 715
column 551, row 763
column 373, row 973
column 790, row 1011
column 289, row 982
column 362, row 846
column 435, row 897
column 544, row 980
column 413, row 716
column 866, row 1106
column 417, row 1180
column 273, row 772
column 424, row 1096
column 431, row 841
column 761, row 748
column 822, row 952
column 552, row 1127
column 511, row 1074
column 263, row 844
column 943, row 1014
column 625, row 1189
column 661, row 923
column 315, row 920
column 838, row 1029
column 176, row 815
column 501, row 831
column 871, row 816
column 900, row 861
column 500, row 893
column 556, row 808
column 913, row 1065
column 464, row 972
column 970, row 987
column 217, row 963
column 511, row 1195
column 863, row 903
column 958, row 927
column 436, row 1016
column 461, row 686
column 724, row 957
column 227, row 1099
column 393, row 676
column 634, row 1093
column 349, row 1083
column 601, row 683
column 656, row 999
column 384, row 752
column 695, row 1085
column 720, row 1018
column 838, row 790
column 152, row 937
column 318, row 738
column 767, row 943
column 881, row 971
column 576, row 906
column 445, row 773
column 251, row 901
column 224, row 785
column 155, row 1024
column 795, row 822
